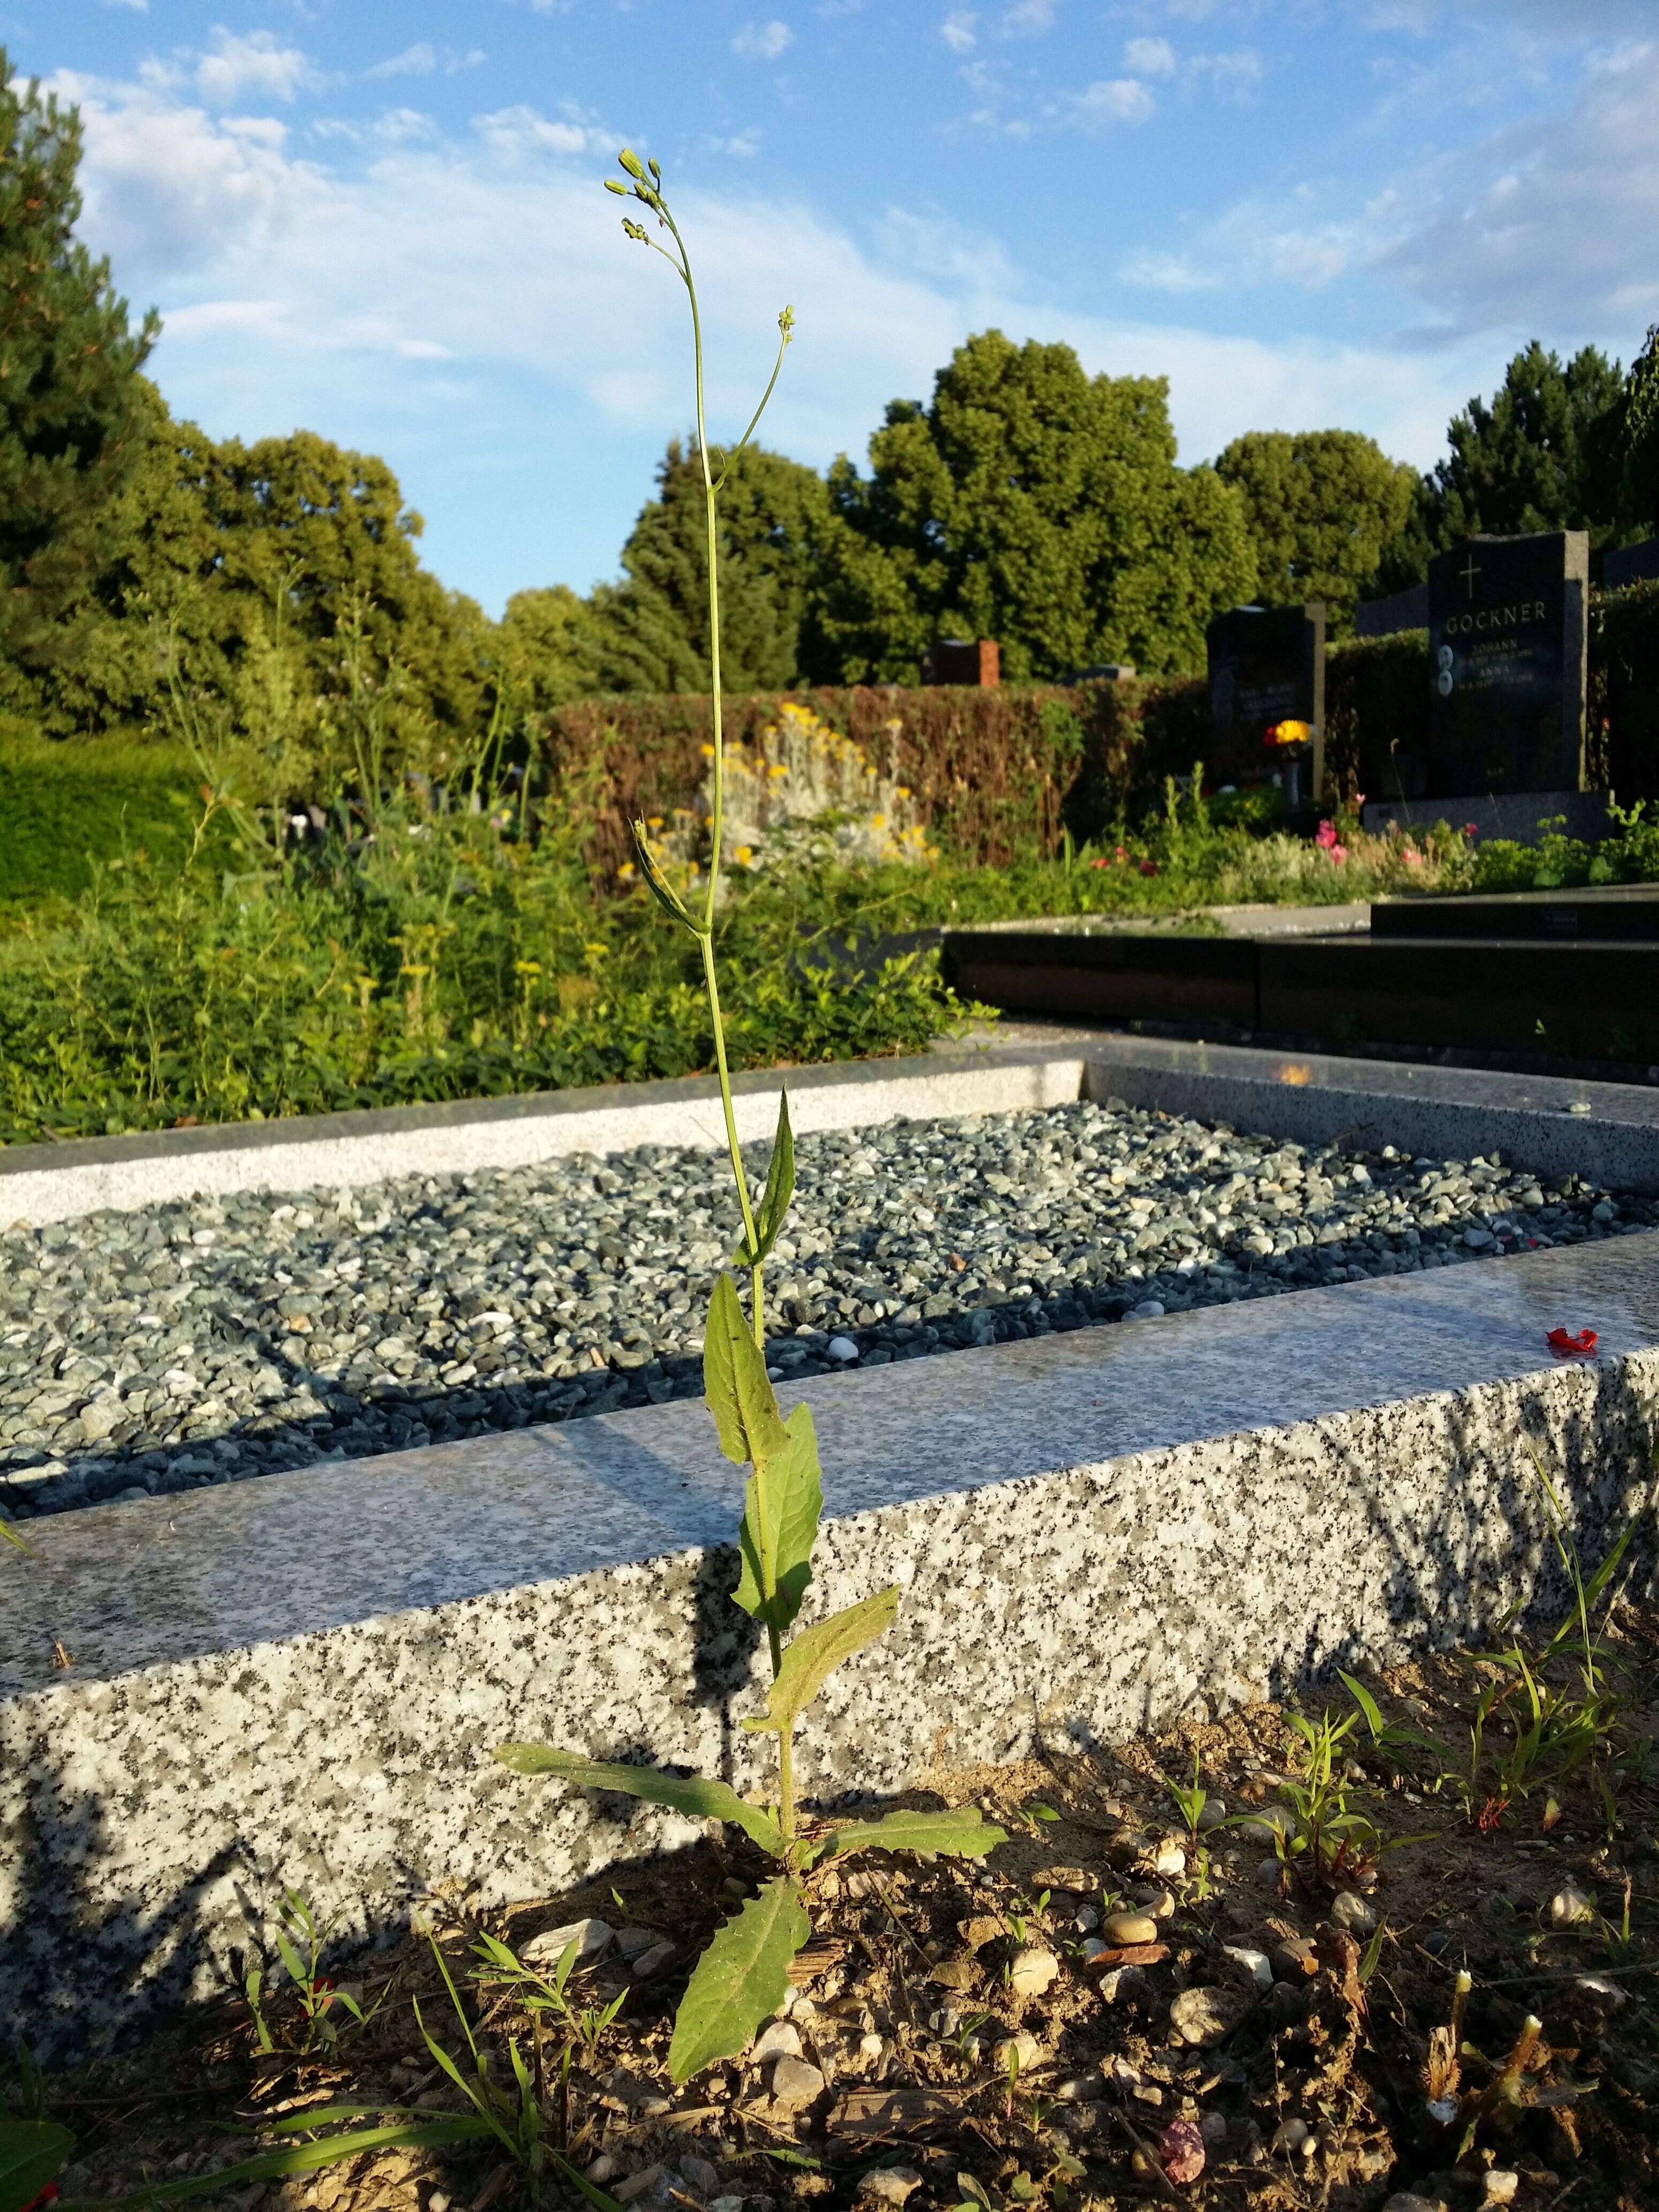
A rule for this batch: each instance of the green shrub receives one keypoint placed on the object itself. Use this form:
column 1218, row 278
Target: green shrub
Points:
column 67, row 808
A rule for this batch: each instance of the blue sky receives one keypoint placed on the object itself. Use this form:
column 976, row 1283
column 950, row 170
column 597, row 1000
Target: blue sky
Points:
column 384, row 221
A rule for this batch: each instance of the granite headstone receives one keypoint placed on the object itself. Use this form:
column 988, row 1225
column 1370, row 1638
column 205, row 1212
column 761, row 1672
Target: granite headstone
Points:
column 1508, row 648
column 1266, row 665
column 1625, row 565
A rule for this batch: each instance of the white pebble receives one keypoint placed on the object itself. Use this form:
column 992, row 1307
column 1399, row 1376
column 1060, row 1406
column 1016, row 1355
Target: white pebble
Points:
column 1031, row 1971
column 841, row 1348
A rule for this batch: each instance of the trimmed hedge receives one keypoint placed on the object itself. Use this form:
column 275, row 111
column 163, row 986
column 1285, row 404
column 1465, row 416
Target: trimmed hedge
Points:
column 67, row 806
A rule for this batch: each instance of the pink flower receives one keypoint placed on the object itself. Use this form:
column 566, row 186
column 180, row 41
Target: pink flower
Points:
column 1338, row 853
column 1470, row 830
column 1326, row 835
column 1412, row 857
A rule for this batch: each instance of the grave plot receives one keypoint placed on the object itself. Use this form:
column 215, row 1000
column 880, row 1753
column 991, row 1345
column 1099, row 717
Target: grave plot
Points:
column 194, row 1344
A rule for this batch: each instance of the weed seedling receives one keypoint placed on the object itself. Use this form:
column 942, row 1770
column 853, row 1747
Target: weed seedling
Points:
column 327, row 2015
column 743, row 1976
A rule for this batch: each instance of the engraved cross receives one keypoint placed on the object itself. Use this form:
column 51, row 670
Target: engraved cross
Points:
column 1469, row 573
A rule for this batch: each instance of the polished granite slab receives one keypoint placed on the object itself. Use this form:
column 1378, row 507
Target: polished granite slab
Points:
column 137, row 1585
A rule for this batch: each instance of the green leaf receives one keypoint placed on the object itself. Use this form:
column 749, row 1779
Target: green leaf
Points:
column 792, row 1489
column 1367, row 1705
column 740, row 1980
column 661, row 890
column 816, row 1652
column 960, row 1832
column 779, row 1190
column 736, row 1386
column 303, row 2158
column 688, row 1793
column 32, row 2153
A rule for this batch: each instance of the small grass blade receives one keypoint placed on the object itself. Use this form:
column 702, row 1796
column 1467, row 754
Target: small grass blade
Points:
column 688, row 1793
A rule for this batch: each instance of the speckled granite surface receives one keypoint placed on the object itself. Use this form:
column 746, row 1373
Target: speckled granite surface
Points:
column 299, row 1680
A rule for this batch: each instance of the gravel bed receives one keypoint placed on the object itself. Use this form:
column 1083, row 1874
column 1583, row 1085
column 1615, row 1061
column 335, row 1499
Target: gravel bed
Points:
column 218, row 1339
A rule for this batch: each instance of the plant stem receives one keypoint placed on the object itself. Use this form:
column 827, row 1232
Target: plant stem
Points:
column 717, row 812
column 786, row 1779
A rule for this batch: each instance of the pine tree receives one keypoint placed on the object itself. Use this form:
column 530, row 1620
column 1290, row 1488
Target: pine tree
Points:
column 652, row 630
column 73, row 408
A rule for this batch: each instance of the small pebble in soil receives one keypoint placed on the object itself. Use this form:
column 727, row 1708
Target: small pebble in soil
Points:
column 1031, row 1971
column 1570, row 1908
column 889, row 2185
column 211, row 1339
column 1502, row 2184
column 795, row 2082
column 1206, row 2016
column 1130, row 1928
column 1353, row 1913
column 780, row 2040
column 1256, row 1964
column 1022, row 2049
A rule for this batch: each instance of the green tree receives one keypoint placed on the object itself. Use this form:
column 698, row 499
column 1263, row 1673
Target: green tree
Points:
column 73, row 407
column 1032, row 503
column 651, row 632
column 547, row 649
column 1544, row 455
column 1639, row 440
column 1323, row 506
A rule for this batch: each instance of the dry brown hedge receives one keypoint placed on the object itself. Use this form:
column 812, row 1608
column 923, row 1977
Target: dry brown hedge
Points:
column 997, row 772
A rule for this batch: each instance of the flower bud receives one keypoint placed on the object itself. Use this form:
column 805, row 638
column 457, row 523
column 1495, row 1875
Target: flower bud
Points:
column 611, row 186
column 656, row 174
column 630, row 161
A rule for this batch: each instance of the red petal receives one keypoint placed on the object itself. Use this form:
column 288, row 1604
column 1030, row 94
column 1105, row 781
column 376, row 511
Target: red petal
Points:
column 1567, row 1346
column 1181, row 2148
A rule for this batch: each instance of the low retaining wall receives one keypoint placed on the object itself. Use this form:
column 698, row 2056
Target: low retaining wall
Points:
column 299, row 1681
column 1606, row 1132
column 55, row 1183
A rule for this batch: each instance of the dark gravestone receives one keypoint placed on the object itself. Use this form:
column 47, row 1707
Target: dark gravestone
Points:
column 1508, row 645
column 1406, row 609
column 1631, row 564
column 1267, row 666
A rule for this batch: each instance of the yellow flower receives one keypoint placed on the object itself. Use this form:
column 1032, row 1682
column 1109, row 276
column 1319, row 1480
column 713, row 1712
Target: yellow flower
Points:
column 653, row 821
column 709, row 752
column 744, row 854
column 626, row 870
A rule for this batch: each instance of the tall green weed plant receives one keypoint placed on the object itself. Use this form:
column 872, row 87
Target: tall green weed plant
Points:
column 743, row 1977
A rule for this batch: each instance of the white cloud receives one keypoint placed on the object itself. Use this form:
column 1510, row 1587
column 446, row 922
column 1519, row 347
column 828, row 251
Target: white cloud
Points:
column 1111, row 99
column 418, row 60
column 761, row 42
column 1548, row 227
column 256, row 64
column 1028, row 18
column 742, row 145
column 521, row 132
column 1237, row 75
column 423, row 58
column 1150, row 57
column 138, row 7
column 957, row 31
column 404, row 291
column 1166, row 272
